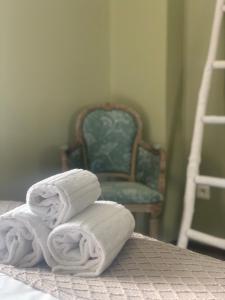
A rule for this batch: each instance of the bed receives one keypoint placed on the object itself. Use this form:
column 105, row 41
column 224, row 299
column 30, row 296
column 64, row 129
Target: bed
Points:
column 145, row 269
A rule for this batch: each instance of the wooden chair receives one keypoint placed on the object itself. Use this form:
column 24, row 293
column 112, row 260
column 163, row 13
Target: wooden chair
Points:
column 131, row 172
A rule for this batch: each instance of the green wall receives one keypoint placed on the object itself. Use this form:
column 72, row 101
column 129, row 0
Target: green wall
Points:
column 54, row 58
column 138, row 61
column 188, row 42
column 59, row 56
column 158, row 52
column 175, row 176
column 138, row 66
column 146, row 71
column 209, row 215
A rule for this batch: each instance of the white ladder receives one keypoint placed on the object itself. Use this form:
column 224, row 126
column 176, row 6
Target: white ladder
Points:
column 193, row 177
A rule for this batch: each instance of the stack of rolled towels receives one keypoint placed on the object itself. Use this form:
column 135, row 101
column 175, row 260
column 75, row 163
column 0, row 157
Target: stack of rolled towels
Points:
column 63, row 223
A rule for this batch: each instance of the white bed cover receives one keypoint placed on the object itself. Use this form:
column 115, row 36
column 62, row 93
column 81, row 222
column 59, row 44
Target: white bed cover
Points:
column 144, row 269
column 11, row 289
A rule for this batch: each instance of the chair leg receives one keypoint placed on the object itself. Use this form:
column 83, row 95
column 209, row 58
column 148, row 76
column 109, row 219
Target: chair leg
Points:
column 153, row 227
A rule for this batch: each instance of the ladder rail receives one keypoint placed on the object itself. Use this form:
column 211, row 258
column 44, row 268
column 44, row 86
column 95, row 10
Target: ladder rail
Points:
column 219, row 64
column 206, row 239
column 211, row 181
column 196, row 145
column 214, row 120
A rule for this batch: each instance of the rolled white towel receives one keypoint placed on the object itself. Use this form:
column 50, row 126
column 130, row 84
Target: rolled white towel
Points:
column 23, row 238
column 88, row 243
column 60, row 197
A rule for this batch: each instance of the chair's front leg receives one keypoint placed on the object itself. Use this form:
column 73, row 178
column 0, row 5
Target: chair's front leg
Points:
column 153, row 226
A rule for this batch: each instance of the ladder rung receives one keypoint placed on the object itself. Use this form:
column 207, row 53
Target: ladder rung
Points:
column 211, row 181
column 214, row 119
column 206, row 238
column 219, row 64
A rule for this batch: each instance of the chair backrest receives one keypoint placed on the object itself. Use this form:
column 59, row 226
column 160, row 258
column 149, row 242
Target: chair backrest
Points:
column 109, row 135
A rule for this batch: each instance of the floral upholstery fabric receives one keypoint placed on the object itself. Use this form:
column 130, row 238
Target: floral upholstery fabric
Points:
column 144, row 191
column 148, row 168
column 109, row 136
column 129, row 193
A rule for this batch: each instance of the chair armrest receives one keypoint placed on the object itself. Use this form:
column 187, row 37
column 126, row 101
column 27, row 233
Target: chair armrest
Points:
column 150, row 168
column 71, row 158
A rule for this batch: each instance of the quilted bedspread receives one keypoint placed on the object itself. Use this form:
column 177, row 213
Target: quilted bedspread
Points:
column 145, row 269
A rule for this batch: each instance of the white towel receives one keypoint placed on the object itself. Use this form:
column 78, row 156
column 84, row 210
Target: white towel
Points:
column 88, row 243
column 60, row 197
column 23, row 238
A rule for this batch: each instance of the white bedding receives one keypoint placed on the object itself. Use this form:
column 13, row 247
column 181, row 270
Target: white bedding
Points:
column 144, row 269
column 10, row 287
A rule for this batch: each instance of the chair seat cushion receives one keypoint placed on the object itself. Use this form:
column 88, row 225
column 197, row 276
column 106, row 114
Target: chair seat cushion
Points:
column 129, row 193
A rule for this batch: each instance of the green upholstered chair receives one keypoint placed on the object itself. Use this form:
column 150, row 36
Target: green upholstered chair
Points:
column 131, row 172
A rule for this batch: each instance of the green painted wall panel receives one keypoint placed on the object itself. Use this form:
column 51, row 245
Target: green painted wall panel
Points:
column 138, row 61
column 54, row 58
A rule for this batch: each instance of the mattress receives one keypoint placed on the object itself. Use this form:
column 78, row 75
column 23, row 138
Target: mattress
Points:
column 144, row 269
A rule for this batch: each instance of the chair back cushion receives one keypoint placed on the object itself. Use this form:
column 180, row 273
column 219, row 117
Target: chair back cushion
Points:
column 110, row 139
